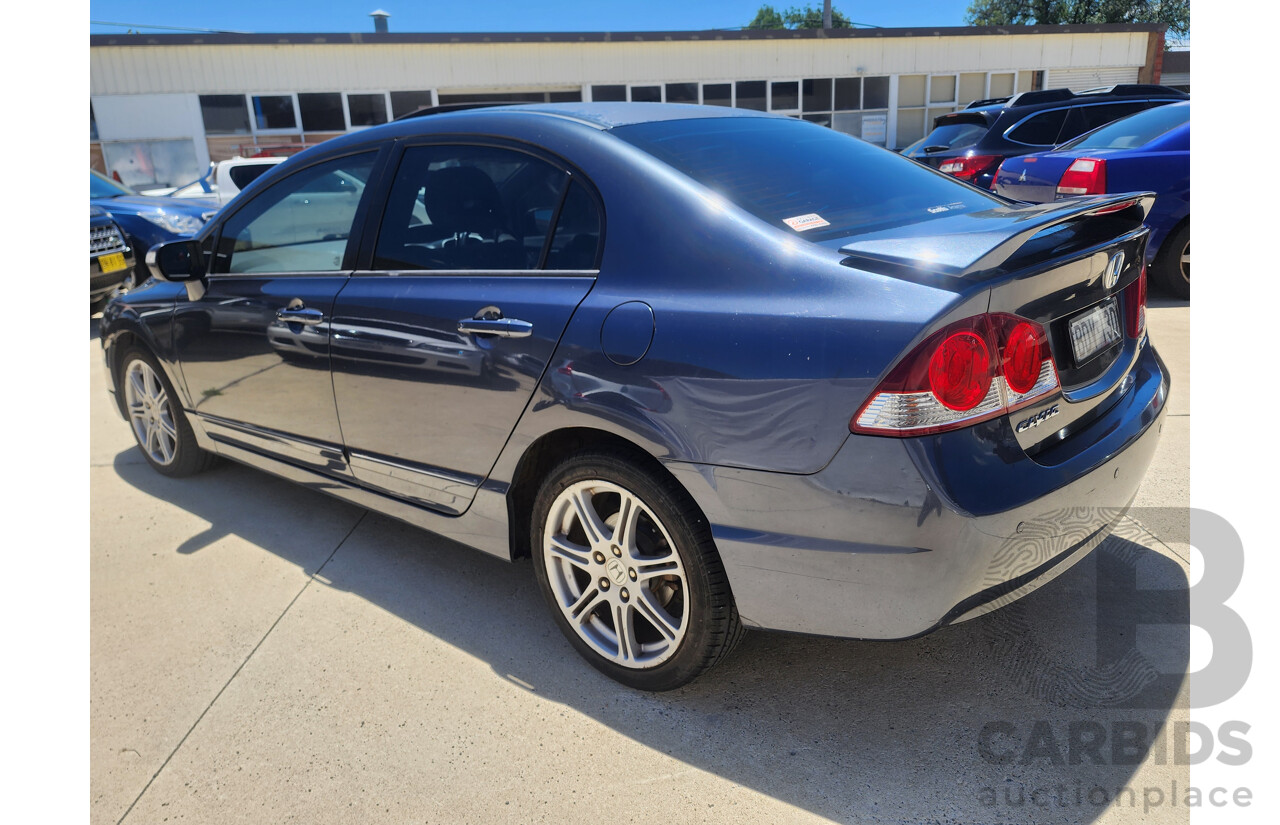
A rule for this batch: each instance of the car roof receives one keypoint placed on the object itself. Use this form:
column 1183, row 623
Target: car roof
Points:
column 603, row 115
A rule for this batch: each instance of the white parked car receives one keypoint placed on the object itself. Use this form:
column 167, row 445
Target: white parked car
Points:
column 223, row 181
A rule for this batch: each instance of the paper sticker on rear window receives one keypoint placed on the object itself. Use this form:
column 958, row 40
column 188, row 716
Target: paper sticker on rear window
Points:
column 802, row 222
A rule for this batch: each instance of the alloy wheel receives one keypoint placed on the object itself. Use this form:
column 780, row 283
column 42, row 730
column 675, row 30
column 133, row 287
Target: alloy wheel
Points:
column 150, row 413
column 615, row 574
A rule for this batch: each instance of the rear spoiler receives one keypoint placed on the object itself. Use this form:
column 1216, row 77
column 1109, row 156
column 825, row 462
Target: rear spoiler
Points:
column 963, row 246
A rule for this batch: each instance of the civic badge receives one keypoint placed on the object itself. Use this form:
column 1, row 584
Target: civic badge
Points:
column 1111, row 275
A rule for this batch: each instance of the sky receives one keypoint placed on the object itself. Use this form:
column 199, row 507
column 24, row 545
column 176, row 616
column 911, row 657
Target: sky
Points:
column 491, row 16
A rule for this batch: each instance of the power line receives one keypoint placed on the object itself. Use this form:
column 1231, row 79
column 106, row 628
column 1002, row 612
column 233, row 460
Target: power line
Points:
column 169, row 28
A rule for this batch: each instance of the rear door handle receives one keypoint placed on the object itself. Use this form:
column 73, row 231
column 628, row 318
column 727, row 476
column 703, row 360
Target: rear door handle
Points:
column 501, row 327
column 300, row 315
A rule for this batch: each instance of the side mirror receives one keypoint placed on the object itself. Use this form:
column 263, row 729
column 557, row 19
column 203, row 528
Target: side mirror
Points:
column 178, row 262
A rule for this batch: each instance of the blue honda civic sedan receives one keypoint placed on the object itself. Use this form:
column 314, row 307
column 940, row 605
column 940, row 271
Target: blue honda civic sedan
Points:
column 709, row 369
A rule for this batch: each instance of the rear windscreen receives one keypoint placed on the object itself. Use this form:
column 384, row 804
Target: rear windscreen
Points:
column 811, row 180
column 954, row 134
column 1134, row 130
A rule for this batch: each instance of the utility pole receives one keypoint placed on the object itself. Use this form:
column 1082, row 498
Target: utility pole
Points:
column 826, row 14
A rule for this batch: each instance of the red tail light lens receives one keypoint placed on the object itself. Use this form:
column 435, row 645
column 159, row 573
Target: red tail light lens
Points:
column 1022, row 358
column 1135, row 302
column 969, row 167
column 1085, row 176
column 970, row 371
column 960, row 371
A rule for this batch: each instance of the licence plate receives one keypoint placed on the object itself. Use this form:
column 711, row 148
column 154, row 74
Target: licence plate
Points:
column 1094, row 331
column 111, row 263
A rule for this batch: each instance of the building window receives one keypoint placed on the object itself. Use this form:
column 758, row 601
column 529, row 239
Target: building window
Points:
column 565, row 97
column 912, row 93
column 848, row 94
column 93, row 124
column 1001, row 84
column 646, row 94
column 682, row 92
column 224, row 114
column 504, row 97
column 751, row 94
column 403, row 103
column 367, row 109
column 609, row 94
column 274, row 112
column 816, row 95
column 717, row 94
column 321, row 112
column 785, row 96
column 875, row 93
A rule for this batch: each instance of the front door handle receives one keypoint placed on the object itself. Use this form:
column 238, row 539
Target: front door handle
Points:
column 300, row 315
column 501, row 327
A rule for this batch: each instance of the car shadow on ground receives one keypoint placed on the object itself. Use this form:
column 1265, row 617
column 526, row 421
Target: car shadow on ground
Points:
column 1022, row 715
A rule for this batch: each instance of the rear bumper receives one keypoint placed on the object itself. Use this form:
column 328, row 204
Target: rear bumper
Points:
column 889, row 541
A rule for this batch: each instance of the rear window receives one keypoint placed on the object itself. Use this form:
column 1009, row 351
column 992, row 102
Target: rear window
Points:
column 1135, row 130
column 242, row 176
column 808, row 179
column 954, row 133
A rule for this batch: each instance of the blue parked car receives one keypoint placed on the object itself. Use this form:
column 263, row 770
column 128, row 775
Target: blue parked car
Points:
column 708, row 368
column 148, row 220
column 1147, row 151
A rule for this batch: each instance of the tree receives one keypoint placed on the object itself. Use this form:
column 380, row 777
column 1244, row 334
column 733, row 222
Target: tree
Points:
column 1176, row 14
column 796, row 18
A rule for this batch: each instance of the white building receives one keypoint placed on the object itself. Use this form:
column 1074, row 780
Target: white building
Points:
column 163, row 106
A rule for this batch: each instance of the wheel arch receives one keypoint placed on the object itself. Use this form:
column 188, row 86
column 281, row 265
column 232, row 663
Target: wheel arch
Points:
column 546, row 452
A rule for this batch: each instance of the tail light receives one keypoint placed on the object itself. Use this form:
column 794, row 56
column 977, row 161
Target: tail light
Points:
column 970, row 167
column 1135, row 302
column 970, row 371
column 995, row 176
column 1085, row 176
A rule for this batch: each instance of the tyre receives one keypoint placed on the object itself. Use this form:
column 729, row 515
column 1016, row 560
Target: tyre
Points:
column 628, row 566
column 1172, row 268
column 159, row 425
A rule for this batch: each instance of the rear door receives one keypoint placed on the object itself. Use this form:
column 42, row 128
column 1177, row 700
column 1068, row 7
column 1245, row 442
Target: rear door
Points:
column 254, row 349
column 481, row 256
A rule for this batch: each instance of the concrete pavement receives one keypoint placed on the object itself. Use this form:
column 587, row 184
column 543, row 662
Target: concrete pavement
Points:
column 263, row 653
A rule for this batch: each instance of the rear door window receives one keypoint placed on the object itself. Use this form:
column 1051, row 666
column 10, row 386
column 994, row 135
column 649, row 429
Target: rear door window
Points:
column 468, row 208
column 1040, row 129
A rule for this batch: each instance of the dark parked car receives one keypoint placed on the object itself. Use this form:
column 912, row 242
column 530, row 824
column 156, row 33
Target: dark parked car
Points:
column 111, row 260
column 148, row 220
column 1149, row 151
column 971, row 144
column 739, row 370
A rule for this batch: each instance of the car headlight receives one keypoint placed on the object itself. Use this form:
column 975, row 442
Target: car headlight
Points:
column 175, row 222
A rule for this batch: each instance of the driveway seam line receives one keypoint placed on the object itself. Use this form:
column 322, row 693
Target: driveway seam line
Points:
column 233, row 676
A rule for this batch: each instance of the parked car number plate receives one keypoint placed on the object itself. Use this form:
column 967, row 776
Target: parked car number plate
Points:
column 1094, row 331
column 112, row 262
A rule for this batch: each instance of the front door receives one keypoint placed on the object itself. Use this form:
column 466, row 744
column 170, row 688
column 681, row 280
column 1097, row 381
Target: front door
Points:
column 482, row 256
column 254, row 350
